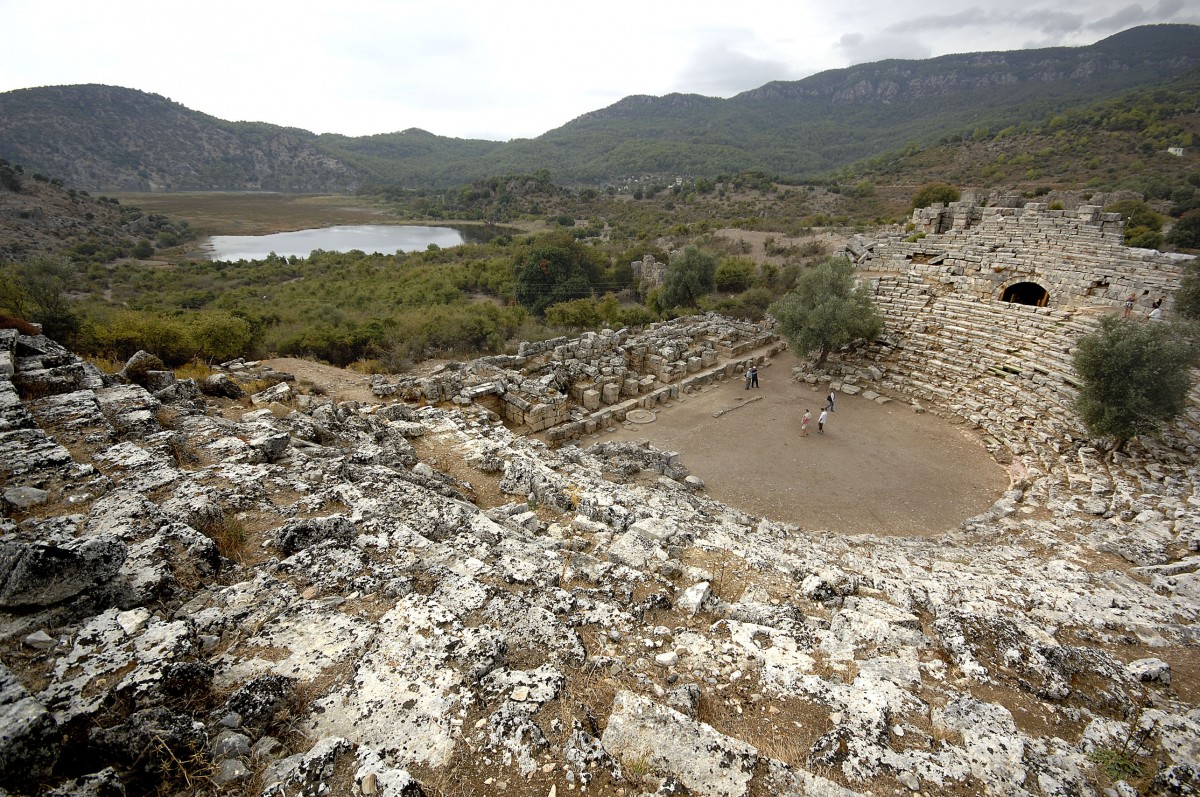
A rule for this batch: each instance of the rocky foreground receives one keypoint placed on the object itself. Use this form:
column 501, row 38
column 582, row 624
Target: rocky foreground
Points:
column 202, row 594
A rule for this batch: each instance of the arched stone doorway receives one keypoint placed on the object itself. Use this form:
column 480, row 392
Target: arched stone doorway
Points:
column 1026, row 293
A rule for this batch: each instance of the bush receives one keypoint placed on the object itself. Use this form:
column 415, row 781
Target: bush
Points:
column 932, row 193
column 734, row 274
column 576, row 314
column 1186, row 232
column 1136, row 377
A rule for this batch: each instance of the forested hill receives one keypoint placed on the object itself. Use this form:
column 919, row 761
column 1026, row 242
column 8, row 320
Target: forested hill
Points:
column 107, row 138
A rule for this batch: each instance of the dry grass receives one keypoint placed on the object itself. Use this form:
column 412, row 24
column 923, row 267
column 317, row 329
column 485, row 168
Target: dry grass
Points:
column 106, row 364
column 228, row 532
column 196, row 369
column 192, row 773
column 369, row 367
column 254, row 214
column 730, row 573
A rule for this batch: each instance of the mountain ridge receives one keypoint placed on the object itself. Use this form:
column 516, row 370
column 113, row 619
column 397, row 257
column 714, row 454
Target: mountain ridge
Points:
column 113, row 138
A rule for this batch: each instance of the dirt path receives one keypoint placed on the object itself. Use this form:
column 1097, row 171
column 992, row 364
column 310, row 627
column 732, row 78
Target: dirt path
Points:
column 877, row 468
column 339, row 384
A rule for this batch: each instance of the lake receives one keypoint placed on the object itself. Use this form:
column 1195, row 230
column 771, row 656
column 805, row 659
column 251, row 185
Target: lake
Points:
column 384, row 238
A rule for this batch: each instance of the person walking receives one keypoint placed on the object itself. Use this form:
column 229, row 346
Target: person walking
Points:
column 829, row 401
column 804, row 422
column 821, row 421
column 749, row 376
column 1129, row 304
column 754, row 376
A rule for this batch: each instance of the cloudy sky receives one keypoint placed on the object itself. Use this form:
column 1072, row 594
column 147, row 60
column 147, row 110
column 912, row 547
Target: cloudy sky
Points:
column 502, row 70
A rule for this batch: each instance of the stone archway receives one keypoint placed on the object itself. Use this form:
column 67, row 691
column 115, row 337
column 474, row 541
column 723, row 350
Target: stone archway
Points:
column 1026, row 292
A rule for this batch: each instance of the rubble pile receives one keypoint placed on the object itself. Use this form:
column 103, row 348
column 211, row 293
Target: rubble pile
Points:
column 569, row 387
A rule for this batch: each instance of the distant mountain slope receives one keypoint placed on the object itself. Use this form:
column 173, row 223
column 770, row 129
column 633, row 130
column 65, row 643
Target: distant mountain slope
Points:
column 107, row 138
column 825, row 121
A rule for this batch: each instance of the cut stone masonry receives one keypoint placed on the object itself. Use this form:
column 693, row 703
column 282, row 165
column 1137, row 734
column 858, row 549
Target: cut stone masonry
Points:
column 568, row 387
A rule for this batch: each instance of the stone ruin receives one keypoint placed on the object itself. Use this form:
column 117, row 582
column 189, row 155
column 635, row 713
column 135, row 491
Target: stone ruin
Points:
column 955, row 337
column 1069, row 259
column 570, row 387
column 649, row 272
column 285, row 595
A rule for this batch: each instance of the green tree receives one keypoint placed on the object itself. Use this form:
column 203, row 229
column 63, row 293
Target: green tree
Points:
column 825, row 310
column 1135, row 378
column 863, row 188
column 1187, row 298
column 1142, row 223
column 931, row 193
column 1186, row 232
column 36, row 290
column 556, row 268
column 734, row 274
column 690, row 276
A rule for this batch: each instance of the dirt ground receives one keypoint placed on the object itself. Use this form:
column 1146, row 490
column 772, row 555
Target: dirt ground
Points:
column 340, row 384
column 879, row 469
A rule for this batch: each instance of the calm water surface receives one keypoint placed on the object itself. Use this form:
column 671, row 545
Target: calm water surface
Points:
column 383, row 238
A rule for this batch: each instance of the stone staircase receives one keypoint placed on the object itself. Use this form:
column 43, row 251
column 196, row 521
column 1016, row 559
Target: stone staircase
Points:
column 1007, row 370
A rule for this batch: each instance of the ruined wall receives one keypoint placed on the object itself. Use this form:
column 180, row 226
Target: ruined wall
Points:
column 1004, row 367
column 1078, row 256
column 566, row 387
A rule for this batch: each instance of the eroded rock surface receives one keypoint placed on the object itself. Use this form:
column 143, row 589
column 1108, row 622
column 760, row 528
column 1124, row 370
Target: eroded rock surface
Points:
column 380, row 600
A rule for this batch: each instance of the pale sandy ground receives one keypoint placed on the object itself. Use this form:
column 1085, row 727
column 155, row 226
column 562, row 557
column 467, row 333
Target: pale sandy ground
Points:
column 877, row 468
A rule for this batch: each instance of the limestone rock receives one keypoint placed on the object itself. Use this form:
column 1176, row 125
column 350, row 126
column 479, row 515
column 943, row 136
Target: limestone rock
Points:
column 29, row 736
column 222, row 386
column 41, row 574
column 705, row 761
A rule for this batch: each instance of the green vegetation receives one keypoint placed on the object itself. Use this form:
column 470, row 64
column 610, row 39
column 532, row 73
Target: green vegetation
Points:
column 825, row 311
column 689, row 277
column 1142, row 224
column 932, row 193
column 557, row 268
column 36, row 290
column 1186, row 232
column 1187, row 298
column 1135, row 377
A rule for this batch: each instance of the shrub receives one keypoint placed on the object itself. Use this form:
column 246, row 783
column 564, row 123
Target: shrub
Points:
column 932, row 193
column 734, row 274
column 1136, row 377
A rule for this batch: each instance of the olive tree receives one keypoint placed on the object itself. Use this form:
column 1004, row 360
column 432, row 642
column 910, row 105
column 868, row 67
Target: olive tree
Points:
column 825, row 310
column 1135, row 377
column 36, row 290
column 556, row 268
column 690, row 275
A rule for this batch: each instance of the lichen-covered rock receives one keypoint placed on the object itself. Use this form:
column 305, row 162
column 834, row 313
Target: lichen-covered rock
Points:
column 705, row 761
column 29, row 736
column 221, row 386
column 41, row 574
column 399, row 611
